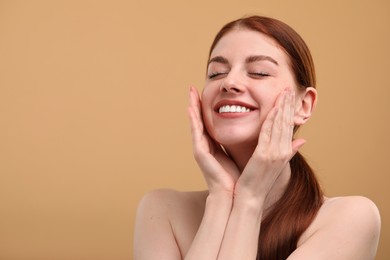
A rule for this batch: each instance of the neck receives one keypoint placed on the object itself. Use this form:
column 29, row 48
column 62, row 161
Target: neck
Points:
column 241, row 155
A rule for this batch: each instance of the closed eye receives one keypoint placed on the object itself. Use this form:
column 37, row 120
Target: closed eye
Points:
column 259, row 74
column 216, row 75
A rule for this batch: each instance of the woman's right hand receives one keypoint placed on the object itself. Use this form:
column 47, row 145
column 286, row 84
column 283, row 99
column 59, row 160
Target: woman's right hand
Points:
column 220, row 171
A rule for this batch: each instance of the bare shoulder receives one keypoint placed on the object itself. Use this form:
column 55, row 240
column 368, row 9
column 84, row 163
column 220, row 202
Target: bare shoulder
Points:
column 170, row 218
column 350, row 211
column 345, row 228
column 163, row 200
column 172, row 205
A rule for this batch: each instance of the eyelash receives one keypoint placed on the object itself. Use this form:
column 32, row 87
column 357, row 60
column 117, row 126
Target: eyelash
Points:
column 215, row 74
column 260, row 74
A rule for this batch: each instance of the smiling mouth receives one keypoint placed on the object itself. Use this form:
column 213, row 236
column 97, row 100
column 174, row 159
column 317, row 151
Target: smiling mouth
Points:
column 233, row 109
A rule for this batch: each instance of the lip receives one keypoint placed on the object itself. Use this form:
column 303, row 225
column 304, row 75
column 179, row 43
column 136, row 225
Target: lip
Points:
column 229, row 102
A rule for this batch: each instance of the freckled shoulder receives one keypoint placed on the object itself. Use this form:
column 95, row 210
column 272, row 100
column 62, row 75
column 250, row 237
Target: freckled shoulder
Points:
column 183, row 211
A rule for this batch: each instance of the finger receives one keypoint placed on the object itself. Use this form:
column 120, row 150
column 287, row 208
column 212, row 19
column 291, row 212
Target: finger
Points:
column 288, row 107
column 194, row 125
column 293, row 106
column 194, row 113
column 288, row 121
column 196, row 107
column 292, row 110
column 192, row 98
column 278, row 127
column 266, row 128
column 268, row 124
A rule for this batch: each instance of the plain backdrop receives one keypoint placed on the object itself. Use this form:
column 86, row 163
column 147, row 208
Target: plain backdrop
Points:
column 93, row 98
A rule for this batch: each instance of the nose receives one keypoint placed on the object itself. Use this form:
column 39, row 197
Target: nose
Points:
column 232, row 84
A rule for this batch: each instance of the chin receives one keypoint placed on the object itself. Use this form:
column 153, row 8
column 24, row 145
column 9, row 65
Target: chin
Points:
column 234, row 135
column 229, row 139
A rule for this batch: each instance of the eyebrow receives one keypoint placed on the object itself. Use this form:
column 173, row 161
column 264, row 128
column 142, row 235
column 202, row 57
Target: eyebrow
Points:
column 250, row 59
column 255, row 58
column 218, row 59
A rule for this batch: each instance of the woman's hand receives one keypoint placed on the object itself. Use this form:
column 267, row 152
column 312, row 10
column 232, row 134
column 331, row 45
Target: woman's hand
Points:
column 220, row 172
column 274, row 150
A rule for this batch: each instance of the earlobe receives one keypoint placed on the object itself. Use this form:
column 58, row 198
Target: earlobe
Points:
column 306, row 102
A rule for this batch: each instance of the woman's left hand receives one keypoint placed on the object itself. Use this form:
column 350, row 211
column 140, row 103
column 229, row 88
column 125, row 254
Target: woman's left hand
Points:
column 274, row 150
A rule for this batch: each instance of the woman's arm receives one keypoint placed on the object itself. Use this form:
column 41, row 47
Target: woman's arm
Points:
column 220, row 174
column 208, row 239
column 242, row 232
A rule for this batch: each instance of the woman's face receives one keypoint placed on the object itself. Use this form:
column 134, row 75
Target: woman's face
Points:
column 247, row 71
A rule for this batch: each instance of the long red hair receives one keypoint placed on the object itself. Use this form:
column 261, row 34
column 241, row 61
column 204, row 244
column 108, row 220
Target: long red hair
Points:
column 292, row 214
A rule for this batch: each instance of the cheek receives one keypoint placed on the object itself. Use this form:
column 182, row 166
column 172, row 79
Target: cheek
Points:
column 266, row 100
column 208, row 96
column 207, row 91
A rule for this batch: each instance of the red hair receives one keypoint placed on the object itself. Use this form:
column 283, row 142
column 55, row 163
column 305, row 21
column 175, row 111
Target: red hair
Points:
column 292, row 214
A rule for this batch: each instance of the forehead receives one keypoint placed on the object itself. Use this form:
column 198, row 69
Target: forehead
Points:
column 242, row 43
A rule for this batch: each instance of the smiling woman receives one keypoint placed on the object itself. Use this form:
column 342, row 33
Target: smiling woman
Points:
column 263, row 199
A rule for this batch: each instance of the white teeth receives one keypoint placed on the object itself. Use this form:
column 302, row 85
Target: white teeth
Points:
column 233, row 109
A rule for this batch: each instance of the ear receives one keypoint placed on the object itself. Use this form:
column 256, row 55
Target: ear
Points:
column 306, row 101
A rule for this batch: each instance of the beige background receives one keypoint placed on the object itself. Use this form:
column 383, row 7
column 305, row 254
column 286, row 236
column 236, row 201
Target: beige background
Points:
column 93, row 101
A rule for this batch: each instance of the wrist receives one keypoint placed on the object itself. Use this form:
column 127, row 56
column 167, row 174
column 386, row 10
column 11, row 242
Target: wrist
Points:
column 249, row 203
column 220, row 197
